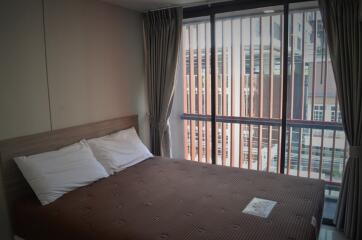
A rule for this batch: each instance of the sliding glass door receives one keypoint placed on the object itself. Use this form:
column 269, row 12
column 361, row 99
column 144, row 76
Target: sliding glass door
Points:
column 259, row 93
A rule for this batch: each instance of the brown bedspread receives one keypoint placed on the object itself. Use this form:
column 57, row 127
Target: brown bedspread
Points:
column 176, row 199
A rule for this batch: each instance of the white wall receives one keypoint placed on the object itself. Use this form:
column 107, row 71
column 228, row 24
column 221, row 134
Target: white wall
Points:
column 176, row 124
column 23, row 92
column 93, row 63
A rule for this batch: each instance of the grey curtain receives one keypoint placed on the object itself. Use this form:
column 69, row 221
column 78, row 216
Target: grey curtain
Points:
column 341, row 21
column 162, row 34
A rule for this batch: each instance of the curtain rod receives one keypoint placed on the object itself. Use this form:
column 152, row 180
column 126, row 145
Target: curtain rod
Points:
column 194, row 4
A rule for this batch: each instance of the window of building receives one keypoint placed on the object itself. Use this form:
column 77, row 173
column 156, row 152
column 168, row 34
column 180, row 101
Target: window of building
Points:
column 334, row 112
column 318, row 113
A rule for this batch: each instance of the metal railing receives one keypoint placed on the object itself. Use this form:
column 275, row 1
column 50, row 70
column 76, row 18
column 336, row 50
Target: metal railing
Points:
column 249, row 82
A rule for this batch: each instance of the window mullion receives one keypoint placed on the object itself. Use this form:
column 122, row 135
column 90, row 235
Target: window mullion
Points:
column 285, row 87
column 213, row 89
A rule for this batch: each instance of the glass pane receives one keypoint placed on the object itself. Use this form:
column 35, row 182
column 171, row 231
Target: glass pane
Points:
column 316, row 144
column 248, row 88
column 195, row 98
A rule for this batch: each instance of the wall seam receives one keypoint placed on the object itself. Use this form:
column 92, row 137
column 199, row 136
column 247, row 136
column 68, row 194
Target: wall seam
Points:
column 46, row 66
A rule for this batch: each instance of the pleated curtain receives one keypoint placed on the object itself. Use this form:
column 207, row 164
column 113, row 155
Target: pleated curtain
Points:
column 341, row 20
column 162, row 34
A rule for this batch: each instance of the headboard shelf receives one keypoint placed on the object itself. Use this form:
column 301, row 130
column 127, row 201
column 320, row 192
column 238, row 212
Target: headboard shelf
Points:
column 14, row 183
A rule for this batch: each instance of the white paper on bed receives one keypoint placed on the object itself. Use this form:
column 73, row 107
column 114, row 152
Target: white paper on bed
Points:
column 259, row 207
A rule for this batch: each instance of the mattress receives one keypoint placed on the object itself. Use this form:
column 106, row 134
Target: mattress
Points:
column 177, row 199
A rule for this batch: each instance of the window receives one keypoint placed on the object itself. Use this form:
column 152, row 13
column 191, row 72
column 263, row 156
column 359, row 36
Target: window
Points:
column 318, row 112
column 333, row 115
column 249, row 102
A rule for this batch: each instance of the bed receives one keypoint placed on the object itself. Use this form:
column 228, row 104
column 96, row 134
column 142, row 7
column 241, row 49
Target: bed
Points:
column 163, row 198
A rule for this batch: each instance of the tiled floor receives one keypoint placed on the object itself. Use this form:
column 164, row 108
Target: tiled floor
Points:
column 330, row 233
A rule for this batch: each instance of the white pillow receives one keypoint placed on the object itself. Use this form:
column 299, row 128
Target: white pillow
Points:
column 119, row 150
column 52, row 174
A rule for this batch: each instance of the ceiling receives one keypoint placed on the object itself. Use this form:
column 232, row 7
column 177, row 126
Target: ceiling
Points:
column 144, row 5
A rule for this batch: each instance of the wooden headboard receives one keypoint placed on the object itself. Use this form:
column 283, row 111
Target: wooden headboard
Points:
column 14, row 183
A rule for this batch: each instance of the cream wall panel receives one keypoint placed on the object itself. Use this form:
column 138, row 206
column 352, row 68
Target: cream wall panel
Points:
column 95, row 61
column 23, row 90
